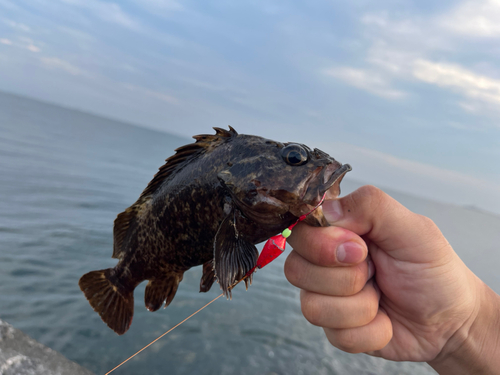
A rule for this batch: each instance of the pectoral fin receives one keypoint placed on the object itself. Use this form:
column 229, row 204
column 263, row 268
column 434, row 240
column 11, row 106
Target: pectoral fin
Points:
column 233, row 255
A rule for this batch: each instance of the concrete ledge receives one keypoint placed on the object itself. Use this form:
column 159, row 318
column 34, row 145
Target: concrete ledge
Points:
column 21, row 355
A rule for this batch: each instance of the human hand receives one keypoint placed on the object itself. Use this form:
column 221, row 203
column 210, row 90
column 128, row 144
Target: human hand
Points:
column 423, row 304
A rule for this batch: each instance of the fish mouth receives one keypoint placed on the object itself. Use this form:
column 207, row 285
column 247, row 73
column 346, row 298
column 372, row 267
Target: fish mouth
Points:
column 333, row 181
column 328, row 188
column 327, row 181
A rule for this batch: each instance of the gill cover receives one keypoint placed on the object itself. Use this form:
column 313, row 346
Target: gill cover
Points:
column 249, row 189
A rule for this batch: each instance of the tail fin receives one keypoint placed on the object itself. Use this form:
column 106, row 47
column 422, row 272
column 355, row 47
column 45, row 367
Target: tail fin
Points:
column 110, row 301
column 162, row 290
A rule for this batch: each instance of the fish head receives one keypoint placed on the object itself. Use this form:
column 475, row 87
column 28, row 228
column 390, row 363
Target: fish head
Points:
column 271, row 181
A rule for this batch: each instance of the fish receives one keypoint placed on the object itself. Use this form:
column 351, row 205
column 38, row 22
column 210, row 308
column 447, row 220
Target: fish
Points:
column 209, row 205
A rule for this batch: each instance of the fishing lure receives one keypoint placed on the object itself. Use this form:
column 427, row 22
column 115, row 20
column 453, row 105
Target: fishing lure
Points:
column 275, row 246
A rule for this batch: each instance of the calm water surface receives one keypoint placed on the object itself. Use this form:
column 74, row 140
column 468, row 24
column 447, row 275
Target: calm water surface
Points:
column 65, row 175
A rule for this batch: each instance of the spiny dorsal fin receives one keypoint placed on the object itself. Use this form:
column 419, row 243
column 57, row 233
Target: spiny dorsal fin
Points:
column 204, row 143
column 184, row 154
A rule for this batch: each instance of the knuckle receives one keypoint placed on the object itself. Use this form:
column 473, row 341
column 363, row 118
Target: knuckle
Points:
column 433, row 235
column 426, row 220
column 346, row 340
column 371, row 310
column 353, row 281
column 367, row 196
column 293, row 270
column 371, row 193
column 427, row 223
column 368, row 303
column 369, row 190
column 359, row 277
column 311, row 309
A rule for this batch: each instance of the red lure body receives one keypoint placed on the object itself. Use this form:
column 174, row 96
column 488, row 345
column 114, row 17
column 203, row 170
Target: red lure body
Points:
column 275, row 246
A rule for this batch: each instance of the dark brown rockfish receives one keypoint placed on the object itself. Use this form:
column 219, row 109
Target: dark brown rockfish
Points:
column 209, row 204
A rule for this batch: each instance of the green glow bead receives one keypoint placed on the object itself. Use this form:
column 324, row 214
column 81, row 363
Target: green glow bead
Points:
column 286, row 233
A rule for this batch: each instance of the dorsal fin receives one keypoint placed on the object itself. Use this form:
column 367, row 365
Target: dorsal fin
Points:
column 184, row 154
column 204, row 143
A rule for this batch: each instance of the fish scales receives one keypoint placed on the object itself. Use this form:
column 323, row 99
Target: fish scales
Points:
column 209, row 205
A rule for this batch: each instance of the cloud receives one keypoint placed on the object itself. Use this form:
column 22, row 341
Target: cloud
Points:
column 405, row 49
column 17, row 25
column 26, row 40
column 474, row 18
column 32, row 48
column 76, row 34
column 56, row 63
column 106, row 11
column 458, row 79
column 159, row 5
column 25, row 43
column 366, row 80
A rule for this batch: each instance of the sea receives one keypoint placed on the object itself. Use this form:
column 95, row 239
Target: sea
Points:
column 66, row 174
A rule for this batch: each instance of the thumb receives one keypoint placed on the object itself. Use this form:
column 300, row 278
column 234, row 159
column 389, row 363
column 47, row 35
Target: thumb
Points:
column 404, row 235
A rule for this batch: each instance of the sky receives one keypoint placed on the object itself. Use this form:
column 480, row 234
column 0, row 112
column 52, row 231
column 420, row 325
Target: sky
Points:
column 407, row 92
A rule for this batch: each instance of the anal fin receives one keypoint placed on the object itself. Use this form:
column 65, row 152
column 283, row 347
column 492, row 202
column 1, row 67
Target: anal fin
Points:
column 161, row 290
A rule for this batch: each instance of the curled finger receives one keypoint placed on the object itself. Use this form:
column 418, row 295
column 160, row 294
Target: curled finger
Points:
column 341, row 312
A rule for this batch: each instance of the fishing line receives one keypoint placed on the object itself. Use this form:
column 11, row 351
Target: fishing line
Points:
column 272, row 248
column 171, row 329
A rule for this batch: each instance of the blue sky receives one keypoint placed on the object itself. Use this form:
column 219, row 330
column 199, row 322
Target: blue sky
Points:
column 408, row 92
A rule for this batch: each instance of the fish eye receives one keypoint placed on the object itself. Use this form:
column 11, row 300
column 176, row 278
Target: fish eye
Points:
column 294, row 154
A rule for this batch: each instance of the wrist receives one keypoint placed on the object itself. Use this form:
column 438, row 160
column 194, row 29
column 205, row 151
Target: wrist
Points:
column 475, row 347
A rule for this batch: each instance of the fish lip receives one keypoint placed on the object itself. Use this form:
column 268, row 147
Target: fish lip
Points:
column 335, row 176
column 322, row 180
column 329, row 190
column 331, row 177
